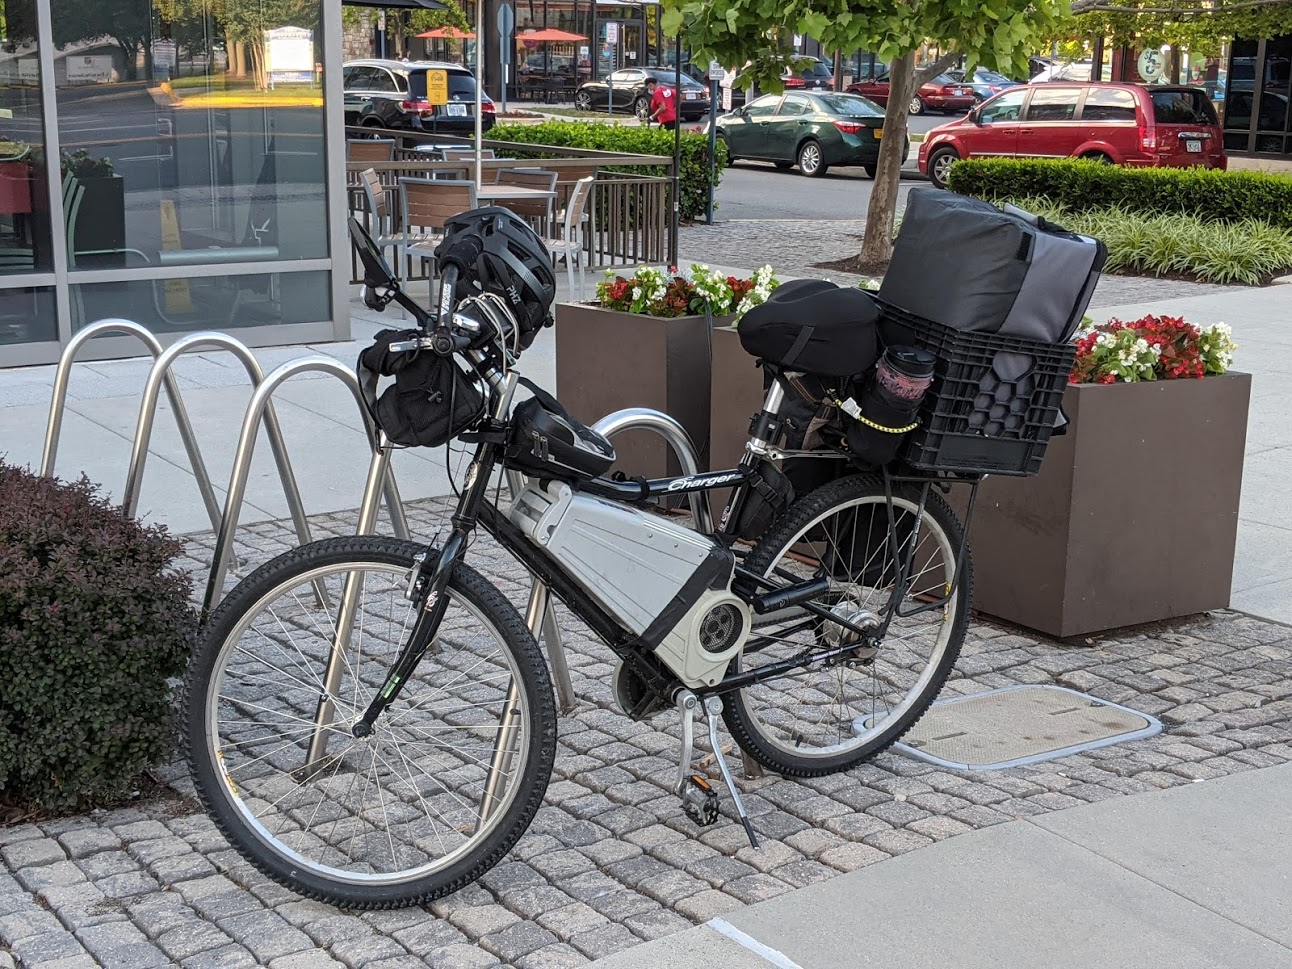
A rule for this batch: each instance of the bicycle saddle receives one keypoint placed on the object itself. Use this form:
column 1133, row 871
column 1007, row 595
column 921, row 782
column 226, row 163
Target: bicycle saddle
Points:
column 814, row 326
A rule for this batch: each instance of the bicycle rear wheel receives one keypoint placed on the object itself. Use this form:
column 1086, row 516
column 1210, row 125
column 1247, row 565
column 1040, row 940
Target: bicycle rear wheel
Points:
column 826, row 718
column 453, row 771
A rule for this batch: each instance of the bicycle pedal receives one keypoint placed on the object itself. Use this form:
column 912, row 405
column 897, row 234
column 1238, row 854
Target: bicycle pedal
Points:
column 699, row 801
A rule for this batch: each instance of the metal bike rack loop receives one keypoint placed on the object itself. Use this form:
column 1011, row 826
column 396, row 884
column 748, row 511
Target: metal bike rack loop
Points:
column 148, row 412
column 58, row 405
column 380, row 480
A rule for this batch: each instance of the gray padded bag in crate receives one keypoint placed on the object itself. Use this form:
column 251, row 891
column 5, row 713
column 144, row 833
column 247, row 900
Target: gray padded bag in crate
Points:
column 964, row 263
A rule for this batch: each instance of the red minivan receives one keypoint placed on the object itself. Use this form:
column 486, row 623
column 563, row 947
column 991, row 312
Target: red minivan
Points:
column 1126, row 124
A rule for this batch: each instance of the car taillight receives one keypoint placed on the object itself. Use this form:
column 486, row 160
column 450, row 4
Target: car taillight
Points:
column 849, row 127
column 794, row 82
column 487, row 107
column 1147, row 140
column 417, row 107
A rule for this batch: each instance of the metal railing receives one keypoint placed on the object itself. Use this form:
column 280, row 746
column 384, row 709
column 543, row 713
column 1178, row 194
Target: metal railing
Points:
column 260, row 411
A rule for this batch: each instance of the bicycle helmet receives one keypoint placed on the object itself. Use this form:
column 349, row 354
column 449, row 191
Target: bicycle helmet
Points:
column 497, row 252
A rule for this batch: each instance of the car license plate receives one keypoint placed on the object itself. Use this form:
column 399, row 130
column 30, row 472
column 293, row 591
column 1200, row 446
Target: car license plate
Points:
column 1193, row 145
column 456, row 110
column 690, row 96
column 879, row 133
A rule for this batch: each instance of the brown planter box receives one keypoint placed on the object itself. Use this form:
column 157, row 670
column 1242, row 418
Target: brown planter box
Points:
column 736, row 395
column 607, row 360
column 1133, row 517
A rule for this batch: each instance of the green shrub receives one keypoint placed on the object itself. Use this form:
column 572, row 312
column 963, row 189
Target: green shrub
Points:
column 1214, row 196
column 1247, row 252
column 94, row 625
column 694, row 175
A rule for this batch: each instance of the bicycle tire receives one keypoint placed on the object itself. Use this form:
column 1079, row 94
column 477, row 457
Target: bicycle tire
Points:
column 783, row 749
column 233, row 674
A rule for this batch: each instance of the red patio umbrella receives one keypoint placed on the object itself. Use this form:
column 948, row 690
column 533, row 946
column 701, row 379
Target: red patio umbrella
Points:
column 447, row 33
column 551, row 35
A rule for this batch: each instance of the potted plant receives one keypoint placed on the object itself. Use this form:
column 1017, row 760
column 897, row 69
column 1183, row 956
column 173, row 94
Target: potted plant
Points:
column 100, row 225
column 646, row 342
column 1133, row 517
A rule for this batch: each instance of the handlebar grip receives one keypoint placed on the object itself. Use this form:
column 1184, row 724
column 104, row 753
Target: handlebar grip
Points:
column 448, row 289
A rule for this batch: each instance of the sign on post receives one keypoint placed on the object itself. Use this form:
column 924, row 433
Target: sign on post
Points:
column 437, row 87
column 289, row 56
column 612, row 32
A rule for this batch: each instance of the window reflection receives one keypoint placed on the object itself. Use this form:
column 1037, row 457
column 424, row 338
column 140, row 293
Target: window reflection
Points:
column 27, row 316
column 24, row 192
column 192, row 131
column 216, row 302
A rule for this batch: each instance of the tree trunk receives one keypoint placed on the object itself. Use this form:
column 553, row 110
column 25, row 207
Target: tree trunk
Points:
column 877, row 245
column 237, row 58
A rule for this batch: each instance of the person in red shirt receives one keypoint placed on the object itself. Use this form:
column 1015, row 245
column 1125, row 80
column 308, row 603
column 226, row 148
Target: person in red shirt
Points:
column 663, row 103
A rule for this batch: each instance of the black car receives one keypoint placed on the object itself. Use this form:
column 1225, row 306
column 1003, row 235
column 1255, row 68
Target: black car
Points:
column 392, row 94
column 627, row 89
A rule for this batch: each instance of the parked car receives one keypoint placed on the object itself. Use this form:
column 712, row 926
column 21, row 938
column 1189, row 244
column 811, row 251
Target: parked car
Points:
column 984, row 83
column 802, row 73
column 1060, row 71
column 813, row 130
column 392, row 94
column 1124, row 124
column 627, row 89
column 939, row 94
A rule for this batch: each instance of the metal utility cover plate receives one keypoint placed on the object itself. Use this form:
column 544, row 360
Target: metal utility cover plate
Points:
column 1021, row 725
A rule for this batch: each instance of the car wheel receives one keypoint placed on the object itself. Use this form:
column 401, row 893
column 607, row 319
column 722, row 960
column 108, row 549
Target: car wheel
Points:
column 940, row 163
column 372, row 128
column 583, row 101
column 810, row 161
column 783, row 165
column 641, row 108
column 870, row 170
column 731, row 159
column 917, row 105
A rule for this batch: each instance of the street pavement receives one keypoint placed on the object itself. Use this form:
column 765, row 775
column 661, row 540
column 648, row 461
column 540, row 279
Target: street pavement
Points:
column 1179, row 855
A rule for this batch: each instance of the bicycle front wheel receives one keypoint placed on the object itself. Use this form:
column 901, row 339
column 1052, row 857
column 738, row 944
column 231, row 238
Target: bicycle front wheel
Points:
column 825, row 718
column 451, row 775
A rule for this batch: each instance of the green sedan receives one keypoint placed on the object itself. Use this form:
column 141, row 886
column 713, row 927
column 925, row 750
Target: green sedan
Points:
column 810, row 130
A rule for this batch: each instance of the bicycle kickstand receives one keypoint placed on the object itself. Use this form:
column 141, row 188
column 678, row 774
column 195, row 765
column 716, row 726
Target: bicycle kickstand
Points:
column 699, row 799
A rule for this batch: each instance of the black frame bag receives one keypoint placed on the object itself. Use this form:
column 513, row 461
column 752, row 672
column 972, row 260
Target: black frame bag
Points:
column 431, row 400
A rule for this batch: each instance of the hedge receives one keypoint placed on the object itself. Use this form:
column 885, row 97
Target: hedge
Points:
column 95, row 624
column 630, row 140
column 1213, row 196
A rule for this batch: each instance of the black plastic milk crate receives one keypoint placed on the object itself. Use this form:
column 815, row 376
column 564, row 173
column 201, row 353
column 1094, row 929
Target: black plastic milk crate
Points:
column 994, row 399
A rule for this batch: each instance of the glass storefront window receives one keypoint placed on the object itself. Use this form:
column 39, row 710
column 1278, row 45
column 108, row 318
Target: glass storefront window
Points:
column 202, row 302
column 27, row 316
column 25, row 242
column 191, row 130
column 1276, row 86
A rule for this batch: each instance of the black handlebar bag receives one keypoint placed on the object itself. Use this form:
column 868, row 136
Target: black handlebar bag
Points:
column 431, row 400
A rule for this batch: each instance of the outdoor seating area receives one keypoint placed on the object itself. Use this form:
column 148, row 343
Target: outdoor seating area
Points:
column 405, row 206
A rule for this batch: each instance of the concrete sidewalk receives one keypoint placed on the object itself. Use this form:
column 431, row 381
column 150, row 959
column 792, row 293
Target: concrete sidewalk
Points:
column 1179, row 878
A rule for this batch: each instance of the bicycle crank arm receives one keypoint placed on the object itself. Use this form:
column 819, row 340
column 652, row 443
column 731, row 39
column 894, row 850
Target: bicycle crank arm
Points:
column 431, row 614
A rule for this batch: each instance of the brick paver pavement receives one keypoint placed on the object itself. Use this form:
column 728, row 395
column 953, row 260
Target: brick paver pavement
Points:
column 610, row 859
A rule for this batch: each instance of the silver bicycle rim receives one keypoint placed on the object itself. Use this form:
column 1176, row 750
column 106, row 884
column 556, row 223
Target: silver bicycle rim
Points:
column 419, row 798
column 833, row 715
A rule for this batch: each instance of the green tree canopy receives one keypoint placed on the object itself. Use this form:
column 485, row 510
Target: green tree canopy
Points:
column 997, row 34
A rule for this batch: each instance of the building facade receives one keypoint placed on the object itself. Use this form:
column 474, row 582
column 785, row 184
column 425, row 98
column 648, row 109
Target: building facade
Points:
column 1258, row 86
column 166, row 165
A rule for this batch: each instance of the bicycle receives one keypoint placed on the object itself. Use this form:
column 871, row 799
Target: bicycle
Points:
column 371, row 723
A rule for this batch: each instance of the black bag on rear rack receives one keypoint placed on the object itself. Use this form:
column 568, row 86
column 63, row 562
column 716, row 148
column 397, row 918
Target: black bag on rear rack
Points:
column 964, row 263
column 431, row 400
